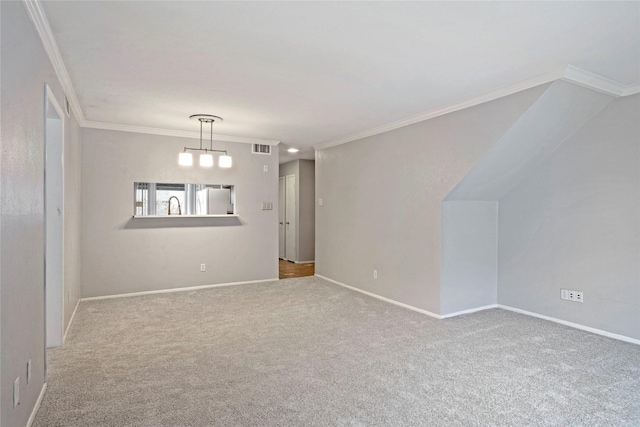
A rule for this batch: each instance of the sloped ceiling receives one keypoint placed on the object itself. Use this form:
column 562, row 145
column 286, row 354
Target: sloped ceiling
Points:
column 561, row 110
column 308, row 73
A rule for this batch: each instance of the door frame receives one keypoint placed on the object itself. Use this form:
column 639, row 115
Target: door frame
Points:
column 54, row 290
column 282, row 206
column 288, row 220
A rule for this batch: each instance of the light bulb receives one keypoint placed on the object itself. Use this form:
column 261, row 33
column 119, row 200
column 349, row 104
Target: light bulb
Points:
column 224, row 161
column 206, row 160
column 185, row 159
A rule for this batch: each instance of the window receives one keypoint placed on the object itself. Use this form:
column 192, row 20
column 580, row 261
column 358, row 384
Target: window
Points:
column 158, row 199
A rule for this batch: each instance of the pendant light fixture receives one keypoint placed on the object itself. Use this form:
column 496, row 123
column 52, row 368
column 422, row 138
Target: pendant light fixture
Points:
column 206, row 159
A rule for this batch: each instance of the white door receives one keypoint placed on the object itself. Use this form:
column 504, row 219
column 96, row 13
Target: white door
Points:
column 281, row 217
column 54, row 274
column 290, row 218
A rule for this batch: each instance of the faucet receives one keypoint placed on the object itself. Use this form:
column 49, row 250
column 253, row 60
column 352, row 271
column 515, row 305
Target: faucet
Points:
column 169, row 204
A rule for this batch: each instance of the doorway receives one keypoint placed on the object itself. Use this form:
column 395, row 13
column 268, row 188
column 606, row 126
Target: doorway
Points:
column 54, row 220
column 287, row 218
column 281, row 217
column 296, row 218
column 290, row 270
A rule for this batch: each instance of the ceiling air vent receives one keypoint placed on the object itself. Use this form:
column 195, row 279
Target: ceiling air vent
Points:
column 260, row 149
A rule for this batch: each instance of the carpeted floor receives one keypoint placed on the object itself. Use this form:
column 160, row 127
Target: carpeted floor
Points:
column 304, row 352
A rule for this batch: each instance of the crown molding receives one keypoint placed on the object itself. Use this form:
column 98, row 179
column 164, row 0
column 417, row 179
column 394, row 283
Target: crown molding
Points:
column 631, row 90
column 467, row 103
column 593, row 81
column 39, row 19
column 174, row 133
column 569, row 74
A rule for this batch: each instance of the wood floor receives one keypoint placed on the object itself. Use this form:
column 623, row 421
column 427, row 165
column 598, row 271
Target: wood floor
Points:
column 289, row 270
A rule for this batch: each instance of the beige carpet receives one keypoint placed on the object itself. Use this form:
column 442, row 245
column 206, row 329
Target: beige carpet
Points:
column 304, row 352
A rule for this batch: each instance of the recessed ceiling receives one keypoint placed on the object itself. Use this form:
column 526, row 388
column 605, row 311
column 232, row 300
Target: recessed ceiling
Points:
column 309, row 72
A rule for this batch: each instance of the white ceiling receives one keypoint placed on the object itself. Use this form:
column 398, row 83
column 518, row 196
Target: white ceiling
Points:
column 305, row 73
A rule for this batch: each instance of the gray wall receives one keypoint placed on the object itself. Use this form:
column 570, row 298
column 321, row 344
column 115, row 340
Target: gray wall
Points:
column 574, row 223
column 469, row 277
column 25, row 69
column 307, row 210
column 469, row 239
column 382, row 197
column 121, row 255
column 304, row 170
column 289, row 168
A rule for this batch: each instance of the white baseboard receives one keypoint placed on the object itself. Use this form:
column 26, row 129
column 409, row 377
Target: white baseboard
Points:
column 32, row 417
column 305, row 262
column 190, row 288
column 571, row 324
column 64, row 337
column 401, row 304
column 385, row 299
column 487, row 307
column 471, row 310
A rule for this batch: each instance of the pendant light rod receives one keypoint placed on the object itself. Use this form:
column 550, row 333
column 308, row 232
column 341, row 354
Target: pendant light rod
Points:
column 206, row 150
column 205, row 159
column 206, row 118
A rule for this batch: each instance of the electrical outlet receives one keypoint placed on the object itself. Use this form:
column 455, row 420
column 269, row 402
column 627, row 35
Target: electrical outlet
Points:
column 203, row 267
column 576, row 296
column 266, row 168
column 319, row 202
column 16, row 392
column 375, row 274
column 28, row 371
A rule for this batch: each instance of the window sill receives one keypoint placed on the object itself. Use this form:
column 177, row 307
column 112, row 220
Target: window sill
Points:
column 183, row 216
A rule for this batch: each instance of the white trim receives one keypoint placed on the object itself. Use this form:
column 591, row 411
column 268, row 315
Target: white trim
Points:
column 39, row 19
column 64, row 337
column 631, row 90
column 34, row 412
column 305, row 262
column 573, row 325
column 174, row 133
column 439, row 111
column 471, row 310
column 184, row 216
column 410, row 307
column 570, row 74
column 593, row 81
column 50, row 98
column 41, row 24
column 488, row 307
column 401, row 304
column 190, row 288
